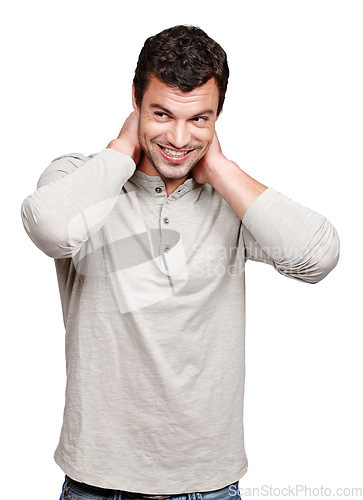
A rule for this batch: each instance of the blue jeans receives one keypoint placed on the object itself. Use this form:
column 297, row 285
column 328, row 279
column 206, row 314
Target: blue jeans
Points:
column 72, row 490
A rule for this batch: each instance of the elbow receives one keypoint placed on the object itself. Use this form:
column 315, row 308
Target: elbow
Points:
column 314, row 264
column 327, row 261
column 44, row 233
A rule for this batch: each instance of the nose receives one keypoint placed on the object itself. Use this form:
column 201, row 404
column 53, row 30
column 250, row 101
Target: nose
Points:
column 179, row 134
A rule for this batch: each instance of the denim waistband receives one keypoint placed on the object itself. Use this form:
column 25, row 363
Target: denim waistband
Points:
column 87, row 488
column 96, row 490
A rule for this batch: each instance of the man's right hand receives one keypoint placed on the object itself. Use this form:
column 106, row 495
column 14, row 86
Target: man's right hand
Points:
column 127, row 141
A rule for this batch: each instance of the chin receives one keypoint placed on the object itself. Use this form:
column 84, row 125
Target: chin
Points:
column 173, row 172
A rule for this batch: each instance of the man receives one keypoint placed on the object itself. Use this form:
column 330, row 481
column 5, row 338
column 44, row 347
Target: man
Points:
column 150, row 238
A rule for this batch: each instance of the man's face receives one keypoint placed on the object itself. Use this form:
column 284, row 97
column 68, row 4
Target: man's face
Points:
column 176, row 128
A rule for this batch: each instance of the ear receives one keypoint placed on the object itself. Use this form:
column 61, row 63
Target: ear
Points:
column 134, row 105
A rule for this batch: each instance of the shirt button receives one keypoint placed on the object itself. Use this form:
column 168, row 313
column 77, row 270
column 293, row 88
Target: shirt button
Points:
column 166, row 249
column 166, row 220
column 158, row 189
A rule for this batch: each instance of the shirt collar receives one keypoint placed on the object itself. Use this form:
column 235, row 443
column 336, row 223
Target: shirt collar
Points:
column 150, row 182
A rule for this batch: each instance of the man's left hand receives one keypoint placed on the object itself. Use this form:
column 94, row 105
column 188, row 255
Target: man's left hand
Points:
column 203, row 170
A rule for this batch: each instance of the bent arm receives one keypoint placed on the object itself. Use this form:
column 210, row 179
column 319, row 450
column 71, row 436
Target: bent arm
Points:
column 297, row 241
column 73, row 197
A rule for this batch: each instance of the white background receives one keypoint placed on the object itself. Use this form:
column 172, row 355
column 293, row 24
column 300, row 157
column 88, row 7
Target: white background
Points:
column 292, row 119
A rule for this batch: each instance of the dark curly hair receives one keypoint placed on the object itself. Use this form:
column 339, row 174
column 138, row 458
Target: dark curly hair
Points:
column 183, row 56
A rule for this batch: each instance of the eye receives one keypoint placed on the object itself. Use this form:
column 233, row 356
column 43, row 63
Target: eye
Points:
column 161, row 114
column 200, row 119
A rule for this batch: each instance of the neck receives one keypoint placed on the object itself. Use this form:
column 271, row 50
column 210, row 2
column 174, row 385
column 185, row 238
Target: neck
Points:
column 171, row 185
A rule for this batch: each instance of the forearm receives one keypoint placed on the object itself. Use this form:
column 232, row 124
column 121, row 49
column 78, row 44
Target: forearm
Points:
column 299, row 242
column 70, row 202
column 236, row 187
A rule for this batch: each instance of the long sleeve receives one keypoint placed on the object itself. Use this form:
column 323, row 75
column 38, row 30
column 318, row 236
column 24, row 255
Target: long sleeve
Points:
column 297, row 241
column 73, row 197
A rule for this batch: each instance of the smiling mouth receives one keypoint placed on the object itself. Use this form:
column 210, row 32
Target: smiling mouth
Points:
column 173, row 154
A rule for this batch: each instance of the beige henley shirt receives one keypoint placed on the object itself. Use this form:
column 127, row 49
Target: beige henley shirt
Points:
column 153, row 297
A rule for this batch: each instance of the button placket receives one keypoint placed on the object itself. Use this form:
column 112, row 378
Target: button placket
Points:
column 165, row 222
column 166, row 245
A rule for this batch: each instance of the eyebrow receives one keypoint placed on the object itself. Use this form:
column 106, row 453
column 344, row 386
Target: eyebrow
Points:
column 168, row 112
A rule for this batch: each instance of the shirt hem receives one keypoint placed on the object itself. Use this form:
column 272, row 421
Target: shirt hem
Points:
column 147, row 488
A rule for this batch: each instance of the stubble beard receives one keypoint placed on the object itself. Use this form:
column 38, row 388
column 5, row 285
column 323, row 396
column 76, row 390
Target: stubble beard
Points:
column 161, row 171
column 158, row 167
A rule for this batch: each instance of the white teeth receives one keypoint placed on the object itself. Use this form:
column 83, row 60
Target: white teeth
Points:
column 171, row 152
